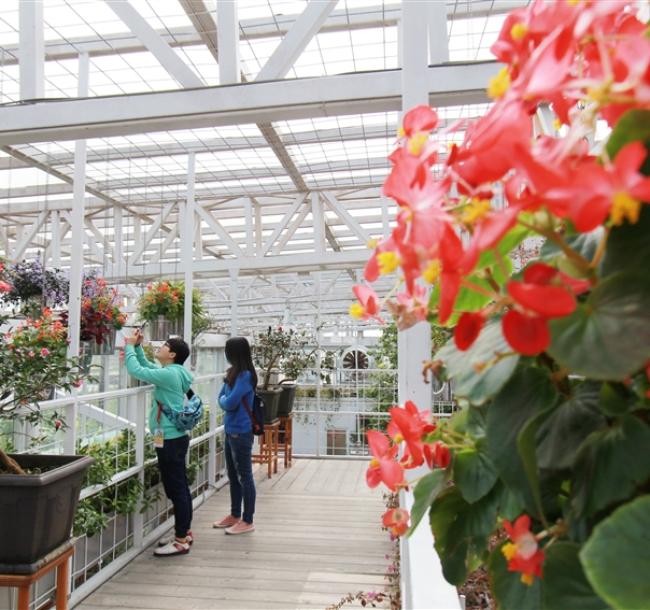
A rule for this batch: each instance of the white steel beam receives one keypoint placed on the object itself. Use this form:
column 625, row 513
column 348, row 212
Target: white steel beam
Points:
column 282, row 242
column 283, row 223
column 228, row 43
column 157, row 223
column 28, row 236
column 318, row 219
column 344, row 215
column 32, row 50
column 55, row 240
column 296, row 40
column 250, row 228
column 237, row 104
column 214, row 224
column 167, row 57
column 438, row 46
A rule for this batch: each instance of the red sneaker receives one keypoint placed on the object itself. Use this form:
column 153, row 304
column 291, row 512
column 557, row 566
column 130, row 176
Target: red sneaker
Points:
column 240, row 528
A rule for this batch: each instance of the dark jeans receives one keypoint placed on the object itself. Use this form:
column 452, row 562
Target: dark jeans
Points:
column 171, row 463
column 239, row 462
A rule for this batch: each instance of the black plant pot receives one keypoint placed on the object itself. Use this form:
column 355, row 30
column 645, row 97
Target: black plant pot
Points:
column 37, row 510
column 287, row 397
column 271, row 398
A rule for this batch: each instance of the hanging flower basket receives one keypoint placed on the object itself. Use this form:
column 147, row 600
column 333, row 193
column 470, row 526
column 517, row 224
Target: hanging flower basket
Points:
column 162, row 328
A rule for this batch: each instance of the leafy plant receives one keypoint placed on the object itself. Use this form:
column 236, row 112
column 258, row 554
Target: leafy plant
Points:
column 100, row 309
column 550, row 454
column 33, row 286
column 167, row 299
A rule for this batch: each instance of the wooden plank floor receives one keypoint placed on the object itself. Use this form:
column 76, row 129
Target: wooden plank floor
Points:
column 317, row 538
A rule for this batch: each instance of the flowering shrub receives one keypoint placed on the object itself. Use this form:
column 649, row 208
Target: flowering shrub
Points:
column 284, row 349
column 100, row 309
column 551, row 362
column 33, row 286
column 33, row 360
column 167, row 299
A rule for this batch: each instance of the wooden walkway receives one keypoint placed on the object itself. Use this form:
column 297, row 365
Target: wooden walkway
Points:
column 317, row 538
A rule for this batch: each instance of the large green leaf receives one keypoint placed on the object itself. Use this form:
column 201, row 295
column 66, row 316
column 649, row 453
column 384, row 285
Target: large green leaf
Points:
column 633, row 126
column 628, row 247
column 584, row 244
column 565, row 584
column 617, row 556
column 560, row 436
column 424, row 493
column 507, row 588
column 528, row 393
column 611, row 464
column 616, row 399
column 473, row 380
column 461, row 530
column 474, row 474
column 608, row 336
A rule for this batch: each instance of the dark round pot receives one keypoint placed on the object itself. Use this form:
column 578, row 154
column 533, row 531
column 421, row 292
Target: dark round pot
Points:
column 271, row 398
column 285, row 406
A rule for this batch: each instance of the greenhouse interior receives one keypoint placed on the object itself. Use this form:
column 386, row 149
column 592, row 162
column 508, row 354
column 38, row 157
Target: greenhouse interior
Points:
column 324, row 303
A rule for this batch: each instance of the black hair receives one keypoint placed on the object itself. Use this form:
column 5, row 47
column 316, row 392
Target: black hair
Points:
column 179, row 348
column 238, row 354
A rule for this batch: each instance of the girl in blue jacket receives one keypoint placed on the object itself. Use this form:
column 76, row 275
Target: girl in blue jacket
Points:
column 239, row 388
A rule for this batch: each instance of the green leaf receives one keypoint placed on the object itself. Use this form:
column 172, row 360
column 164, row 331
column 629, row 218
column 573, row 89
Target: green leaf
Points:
column 584, row 244
column 507, row 243
column 615, row 399
column 567, row 427
column 474, row 474
column 528, row 393
column 628, row 247
column 617, row 555
column 424, row 493
column 477, row 385
column 611, row 464
column 507, row 588
column 461, row 530
column 608, row 336
column 633, row 126
column 564, row 584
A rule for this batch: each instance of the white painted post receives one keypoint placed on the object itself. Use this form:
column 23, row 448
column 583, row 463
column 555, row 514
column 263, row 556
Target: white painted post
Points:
column 139, row 410
column 187, row 249
column 317, row 296
column 438, row 46
column 31, row 49
column 77, row 259
column 55, row 243
column 248, row 223
column 234, row 301
column 318, row 222
column 228, row 42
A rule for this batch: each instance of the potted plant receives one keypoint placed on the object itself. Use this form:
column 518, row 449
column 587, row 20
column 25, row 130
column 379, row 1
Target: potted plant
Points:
column 38, row 493
column 163, row 307
column 100, row 314
column 34, row 287
column 543, row 476
column 293, row 361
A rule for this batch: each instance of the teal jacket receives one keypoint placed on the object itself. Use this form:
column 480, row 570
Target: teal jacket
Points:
column 171, row 382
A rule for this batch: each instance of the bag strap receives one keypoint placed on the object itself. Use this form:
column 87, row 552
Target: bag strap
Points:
column 250, row 413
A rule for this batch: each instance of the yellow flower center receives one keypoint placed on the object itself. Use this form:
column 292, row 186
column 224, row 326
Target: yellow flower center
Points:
column 573, row 2
column 475, row 210
column 527, row 579
column 398, row 438
column 400, row 132
column 509, row 550
column 518, row 31
column 432, row 272
column 374, row 463
column 499, row 84
column 624, row 207
column 557, row 124
column 372, row 243
column 357, row 310
column 388, row 262
column 417, row 142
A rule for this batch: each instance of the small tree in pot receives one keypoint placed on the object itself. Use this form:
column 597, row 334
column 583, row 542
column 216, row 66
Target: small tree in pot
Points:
column 32, row 361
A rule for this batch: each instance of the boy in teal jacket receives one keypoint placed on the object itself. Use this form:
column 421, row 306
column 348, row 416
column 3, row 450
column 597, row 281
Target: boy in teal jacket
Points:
column 171, row 381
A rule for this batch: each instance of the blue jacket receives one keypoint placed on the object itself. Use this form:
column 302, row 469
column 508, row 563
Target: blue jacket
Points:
column 237, row 420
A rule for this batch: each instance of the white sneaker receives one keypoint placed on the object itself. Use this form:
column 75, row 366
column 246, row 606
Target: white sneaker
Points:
column 172, row 548
column 165, row 541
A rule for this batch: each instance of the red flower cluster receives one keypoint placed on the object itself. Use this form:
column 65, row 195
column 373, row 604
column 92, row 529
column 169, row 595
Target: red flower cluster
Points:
column 587, row 60
column 408, row 429
column 523, row 553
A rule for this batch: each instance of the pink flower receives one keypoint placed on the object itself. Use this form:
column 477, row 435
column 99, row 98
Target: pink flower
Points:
column 31, row 354
column 4, row 287
column 45, row 352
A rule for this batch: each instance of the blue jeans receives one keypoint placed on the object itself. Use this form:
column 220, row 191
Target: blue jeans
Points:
column 239, row 463
column 171, row 463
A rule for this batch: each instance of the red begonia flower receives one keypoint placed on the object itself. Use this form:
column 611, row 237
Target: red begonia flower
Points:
column 468, row 329
column 383, row 467
column 523, row 553
column 396, row 520
column 547, row 301
column 526, row 334
column 437, row 455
